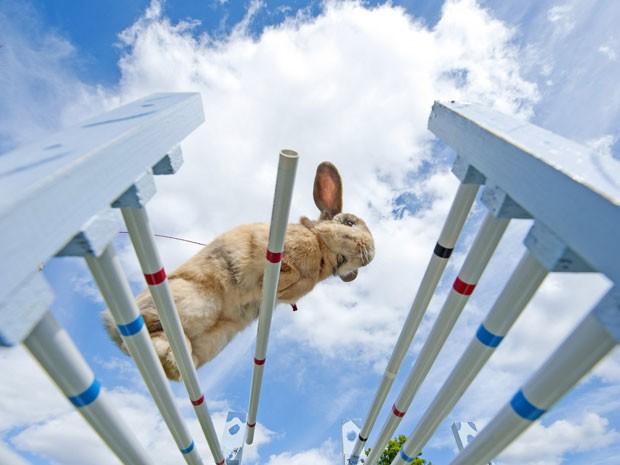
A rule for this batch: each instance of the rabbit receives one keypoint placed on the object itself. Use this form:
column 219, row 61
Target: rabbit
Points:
column 218, row 291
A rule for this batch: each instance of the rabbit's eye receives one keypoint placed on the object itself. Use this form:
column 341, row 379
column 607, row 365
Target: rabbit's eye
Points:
column 349, row 222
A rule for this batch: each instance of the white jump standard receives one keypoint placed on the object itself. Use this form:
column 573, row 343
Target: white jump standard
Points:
column 55, row 202
column 594, row 338
column 464, row 198
column 116, row 292
column 45, row 208
column 133, row 208
column 569, row 200
column 287, row 167
column 476, row 261
column 55, row 351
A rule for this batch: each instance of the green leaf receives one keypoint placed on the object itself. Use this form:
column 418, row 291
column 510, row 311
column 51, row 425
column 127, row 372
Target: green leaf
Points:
column 393, row 448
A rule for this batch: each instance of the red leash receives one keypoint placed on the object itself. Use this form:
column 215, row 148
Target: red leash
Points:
column 171, row 237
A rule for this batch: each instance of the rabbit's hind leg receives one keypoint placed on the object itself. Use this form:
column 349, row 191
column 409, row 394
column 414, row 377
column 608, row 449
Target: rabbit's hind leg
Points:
column 164, row 352
column 208, row 344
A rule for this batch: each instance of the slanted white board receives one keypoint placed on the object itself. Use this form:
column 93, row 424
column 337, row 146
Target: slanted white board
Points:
column 232, row 439
column 564, row 185
column 49, row 189
column 350, row 431
column 464, row 434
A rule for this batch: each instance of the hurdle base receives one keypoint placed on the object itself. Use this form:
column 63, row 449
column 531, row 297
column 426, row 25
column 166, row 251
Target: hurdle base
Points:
column 464, row 433
column 232, row 439
column 350, row 431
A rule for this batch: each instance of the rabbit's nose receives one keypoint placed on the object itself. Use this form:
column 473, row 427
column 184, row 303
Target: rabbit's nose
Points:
column 367, row 255
column 347, row 278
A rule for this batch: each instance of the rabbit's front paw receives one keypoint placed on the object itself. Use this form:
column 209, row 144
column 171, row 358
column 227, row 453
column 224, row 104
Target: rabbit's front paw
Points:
column 170, row 367
column 164, row 352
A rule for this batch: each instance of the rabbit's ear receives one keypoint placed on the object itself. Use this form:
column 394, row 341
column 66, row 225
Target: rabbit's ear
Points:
column 327, row 190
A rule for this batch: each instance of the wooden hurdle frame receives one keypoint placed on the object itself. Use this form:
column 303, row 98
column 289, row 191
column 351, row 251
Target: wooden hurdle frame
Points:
column 516, row 162
column 528, row 172
column 115, row 155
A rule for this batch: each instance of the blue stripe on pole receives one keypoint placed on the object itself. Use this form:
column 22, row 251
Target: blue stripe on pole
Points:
column 188, row 450
column 131, row 328
column 524, row 408
column 487, row 337
column 88, row 396
column 405, row 457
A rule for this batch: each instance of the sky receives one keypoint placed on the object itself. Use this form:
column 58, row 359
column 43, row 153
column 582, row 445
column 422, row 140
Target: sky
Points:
column 349, row 82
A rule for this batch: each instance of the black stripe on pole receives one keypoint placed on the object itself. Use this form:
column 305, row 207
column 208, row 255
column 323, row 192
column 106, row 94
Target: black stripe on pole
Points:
column 442, row 252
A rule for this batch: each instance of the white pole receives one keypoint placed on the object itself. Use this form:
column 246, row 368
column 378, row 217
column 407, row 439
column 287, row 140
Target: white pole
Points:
column 115, row 289
column 476, row 261
column 577, row 355
column 279, row 218
column 525, row 280
column 465, row 196
column 143, row 241
column 53, row 348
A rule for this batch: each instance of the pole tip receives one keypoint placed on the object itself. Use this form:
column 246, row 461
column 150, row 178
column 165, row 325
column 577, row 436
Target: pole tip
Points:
column 289, row 153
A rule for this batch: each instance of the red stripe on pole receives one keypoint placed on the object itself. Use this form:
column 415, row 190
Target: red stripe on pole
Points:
column 259, row 362
column 199, row 401
column 155, row 278
column 222, row 462
column 462, row 287
column 397, row 412
column 251, row 425
column 274, row 257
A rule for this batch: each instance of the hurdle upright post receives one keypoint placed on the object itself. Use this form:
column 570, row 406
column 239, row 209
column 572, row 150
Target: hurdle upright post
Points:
column 478, row 257
column 117, row 294
column 461, row 206
column 545, row 254
column 56, row 203
column 596, row 335
column 133, row 207
column 539, row 171
column 53, row 348
column 501, row 209
column 287, row 167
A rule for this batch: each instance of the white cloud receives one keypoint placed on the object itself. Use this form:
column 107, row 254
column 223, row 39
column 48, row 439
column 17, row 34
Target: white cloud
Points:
column 327, row 454
column 39, row 89
column 561, row 16
column 580, row 101
column 50, row 439
column 83, row 284
column 39, row 404
column 547, row 445
column 609, row 369
column 554, row 312
column 9, row 457
column 609, row 51
column 44, row 424
column 354, row 85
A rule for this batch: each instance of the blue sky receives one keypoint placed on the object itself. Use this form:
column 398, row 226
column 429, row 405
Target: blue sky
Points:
column 344, row 81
